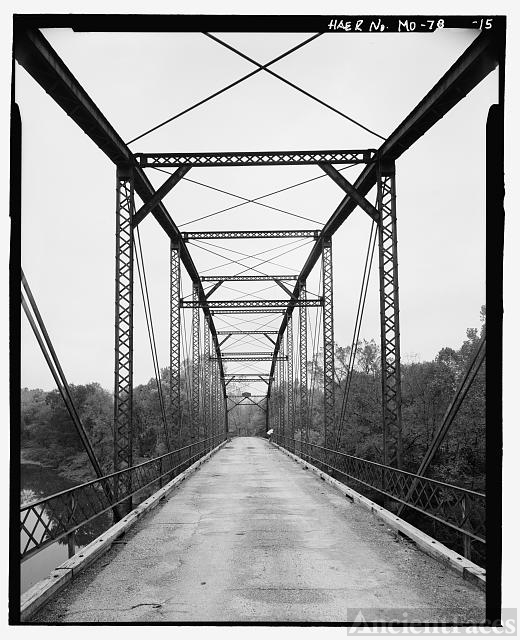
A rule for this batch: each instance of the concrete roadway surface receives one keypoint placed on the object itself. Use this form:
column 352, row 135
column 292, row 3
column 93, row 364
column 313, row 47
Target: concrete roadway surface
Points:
column 253, row 536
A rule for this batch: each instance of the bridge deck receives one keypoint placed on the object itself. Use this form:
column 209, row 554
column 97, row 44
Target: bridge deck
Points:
column 252, row 536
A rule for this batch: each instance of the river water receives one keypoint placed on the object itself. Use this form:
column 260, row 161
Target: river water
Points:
column 39, row 482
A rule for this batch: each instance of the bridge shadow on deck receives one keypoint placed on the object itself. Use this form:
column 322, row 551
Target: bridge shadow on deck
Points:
column 252, row 536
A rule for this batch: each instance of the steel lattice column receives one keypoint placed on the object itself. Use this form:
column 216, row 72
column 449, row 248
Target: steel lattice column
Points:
column 290, row 379
column 175, row 344
column 214, row 398
column 328, row 342
column 304, row 419
column 205, row 379
column 389, row 310
column 123, row 432
column 195, row 370
column 281, row 369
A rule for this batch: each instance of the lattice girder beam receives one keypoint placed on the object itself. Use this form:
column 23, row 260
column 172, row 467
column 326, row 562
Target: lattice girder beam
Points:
column 240, row 278
column 247, row 304
column 248, row 235
column 253, row 158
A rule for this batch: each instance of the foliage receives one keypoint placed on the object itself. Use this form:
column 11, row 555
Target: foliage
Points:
column 427, row 388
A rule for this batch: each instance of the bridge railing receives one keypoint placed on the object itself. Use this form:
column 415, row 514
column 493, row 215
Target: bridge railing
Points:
column 462, row 510
column 44, row 521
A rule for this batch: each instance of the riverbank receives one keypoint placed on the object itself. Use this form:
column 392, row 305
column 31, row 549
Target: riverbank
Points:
column 74, row 468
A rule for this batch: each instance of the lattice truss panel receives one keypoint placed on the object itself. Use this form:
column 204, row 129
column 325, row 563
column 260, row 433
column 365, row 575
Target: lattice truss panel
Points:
column 123, row 330
column 389, row 304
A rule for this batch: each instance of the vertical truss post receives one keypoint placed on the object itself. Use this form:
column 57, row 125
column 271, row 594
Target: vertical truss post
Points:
column 214, row 398
column 328, row 343
column 123, row 432
column 210, row 390
column 304, row 419
column 283, row 393
column 205, row 379
column 273, row 404
column 389, row 312
column 175, row 343
column 195, row 372
column 290, row 379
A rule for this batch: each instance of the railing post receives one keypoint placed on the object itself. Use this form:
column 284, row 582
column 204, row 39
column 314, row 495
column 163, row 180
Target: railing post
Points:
column 175, row 343
column 71, row 538
column 328, row 343
column 389, row 313
column 123, row 431
column 466, row 540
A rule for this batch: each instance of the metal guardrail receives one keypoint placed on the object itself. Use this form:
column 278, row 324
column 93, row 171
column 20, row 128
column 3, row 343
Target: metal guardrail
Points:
column 463, row 510
column 44, row 521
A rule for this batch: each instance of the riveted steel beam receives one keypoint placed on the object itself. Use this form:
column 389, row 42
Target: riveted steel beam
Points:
column 252, row 358
column 253, row 158
column 243, row 333
column 240, row 278
column 247, row 235
column 188, row 304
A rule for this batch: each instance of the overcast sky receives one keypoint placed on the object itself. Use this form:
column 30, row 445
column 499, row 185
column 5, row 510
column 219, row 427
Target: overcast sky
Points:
column 138, row 80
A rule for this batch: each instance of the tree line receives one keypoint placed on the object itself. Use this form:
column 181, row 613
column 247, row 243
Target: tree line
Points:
column 47, row 431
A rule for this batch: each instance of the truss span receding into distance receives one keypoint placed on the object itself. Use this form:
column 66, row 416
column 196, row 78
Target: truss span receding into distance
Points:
column 208, row 377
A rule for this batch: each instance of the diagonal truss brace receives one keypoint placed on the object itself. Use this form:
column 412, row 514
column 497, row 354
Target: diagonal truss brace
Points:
column 163, row 191
column 350, row 190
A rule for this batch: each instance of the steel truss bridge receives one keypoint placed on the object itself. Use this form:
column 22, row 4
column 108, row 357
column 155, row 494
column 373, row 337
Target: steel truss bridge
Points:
column 286, row 412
